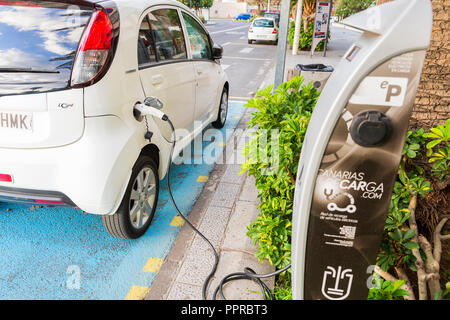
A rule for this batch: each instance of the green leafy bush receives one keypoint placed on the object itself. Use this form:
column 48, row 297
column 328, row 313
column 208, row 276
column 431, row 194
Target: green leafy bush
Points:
column 438, row 149
column 396, row 246
column 413, row 180
column 283, row 117
column 305, row 41
column 386, row 290
column 347, row 8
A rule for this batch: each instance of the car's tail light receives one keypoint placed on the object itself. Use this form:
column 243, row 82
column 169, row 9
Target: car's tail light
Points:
column 94, row 49
column 274, row 30
column 5, row 178
column 250, row 30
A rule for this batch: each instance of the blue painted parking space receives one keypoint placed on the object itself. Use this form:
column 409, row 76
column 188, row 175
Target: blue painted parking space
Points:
column 61, row 253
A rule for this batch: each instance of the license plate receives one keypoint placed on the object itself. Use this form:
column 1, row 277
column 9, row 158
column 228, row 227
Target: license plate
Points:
column 16, row 121
column 261, row 36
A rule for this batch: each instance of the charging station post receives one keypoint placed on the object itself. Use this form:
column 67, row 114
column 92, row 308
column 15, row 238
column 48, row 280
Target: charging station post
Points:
column 352, row 149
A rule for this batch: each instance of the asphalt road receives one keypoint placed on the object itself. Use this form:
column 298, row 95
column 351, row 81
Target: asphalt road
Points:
column 245, row 64
column 60, row 253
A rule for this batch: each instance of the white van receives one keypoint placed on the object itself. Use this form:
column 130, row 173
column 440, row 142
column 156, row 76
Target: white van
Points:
column 71, row 74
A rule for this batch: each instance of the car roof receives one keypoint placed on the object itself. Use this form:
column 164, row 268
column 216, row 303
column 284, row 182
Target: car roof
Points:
column 264, row 18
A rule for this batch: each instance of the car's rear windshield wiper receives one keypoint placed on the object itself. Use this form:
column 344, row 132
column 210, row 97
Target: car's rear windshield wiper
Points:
column 26, row 70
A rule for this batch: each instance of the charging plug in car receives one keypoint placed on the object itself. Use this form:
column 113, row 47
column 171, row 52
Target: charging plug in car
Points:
column 150, row 107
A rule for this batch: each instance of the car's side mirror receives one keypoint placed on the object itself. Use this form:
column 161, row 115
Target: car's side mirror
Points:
column 217, row 52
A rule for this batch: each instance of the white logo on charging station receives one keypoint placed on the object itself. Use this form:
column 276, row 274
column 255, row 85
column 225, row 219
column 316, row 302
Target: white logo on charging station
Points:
column 381, row 91
column 336, row 284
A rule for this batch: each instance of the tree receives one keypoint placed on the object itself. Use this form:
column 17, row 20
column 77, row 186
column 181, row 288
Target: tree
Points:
column 347, row 8
column 207, row 3
column 198, row 4
column 309, row 11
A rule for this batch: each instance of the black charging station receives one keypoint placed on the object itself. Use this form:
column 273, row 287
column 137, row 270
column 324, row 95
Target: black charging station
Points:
column 352, row 150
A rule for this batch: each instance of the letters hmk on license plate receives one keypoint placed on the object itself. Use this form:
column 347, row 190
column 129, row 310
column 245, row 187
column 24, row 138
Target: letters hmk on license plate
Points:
column 16, row 121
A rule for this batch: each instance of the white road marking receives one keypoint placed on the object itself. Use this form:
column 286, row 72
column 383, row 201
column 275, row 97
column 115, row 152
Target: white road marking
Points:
column 225, row 44
column 246, row 50
column 215, row 32
column 242, row 38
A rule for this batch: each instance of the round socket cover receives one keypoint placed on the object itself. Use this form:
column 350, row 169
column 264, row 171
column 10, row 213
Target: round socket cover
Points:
column 371, row 128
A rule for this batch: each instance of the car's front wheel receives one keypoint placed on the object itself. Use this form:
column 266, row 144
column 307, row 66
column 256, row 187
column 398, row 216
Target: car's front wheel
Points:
column 138, row 206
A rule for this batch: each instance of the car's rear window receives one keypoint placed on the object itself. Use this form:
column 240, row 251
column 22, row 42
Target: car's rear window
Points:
column 271, row 15
column 263, row 23
column 38, row 43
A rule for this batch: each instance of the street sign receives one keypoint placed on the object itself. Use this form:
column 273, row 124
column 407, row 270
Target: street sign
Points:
column 321, row 23
column 352, row 149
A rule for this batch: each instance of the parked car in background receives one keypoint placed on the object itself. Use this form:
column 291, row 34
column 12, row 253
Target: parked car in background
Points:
column 274, row 15
column 243, row 16
column 263, row 29
column 69, row 135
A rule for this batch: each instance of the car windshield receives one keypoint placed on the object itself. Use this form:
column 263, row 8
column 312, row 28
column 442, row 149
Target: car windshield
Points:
column 38, row 42
column 263, row 23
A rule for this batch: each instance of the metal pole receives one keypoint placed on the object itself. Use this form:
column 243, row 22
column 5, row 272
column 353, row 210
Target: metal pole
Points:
column 298, row 22
column 268, row 5
column 328, row 28
column 282, row 43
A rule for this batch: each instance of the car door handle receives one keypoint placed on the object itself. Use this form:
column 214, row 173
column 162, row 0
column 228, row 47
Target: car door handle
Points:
column 158, row 79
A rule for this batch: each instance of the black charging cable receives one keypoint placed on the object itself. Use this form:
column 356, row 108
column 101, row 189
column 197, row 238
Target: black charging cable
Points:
column 248, row 273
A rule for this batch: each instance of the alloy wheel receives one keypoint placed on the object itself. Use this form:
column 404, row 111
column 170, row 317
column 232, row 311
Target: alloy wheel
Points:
column 142, row 199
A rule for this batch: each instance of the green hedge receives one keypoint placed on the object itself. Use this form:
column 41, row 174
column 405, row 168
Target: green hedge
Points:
column 305, row 41
column 287, row 111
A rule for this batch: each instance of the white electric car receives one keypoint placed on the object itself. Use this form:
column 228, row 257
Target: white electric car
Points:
column 263, row 29
column 72, row 73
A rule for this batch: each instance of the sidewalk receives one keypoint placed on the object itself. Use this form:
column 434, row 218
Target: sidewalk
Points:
column 226, row 206
column 341, row 40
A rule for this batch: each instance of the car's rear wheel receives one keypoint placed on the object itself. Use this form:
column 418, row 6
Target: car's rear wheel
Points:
column 138, row 206
column 250, row 41
column 223, row 111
